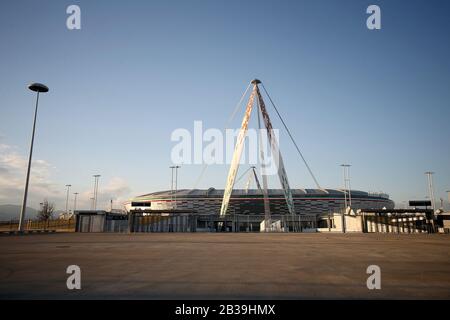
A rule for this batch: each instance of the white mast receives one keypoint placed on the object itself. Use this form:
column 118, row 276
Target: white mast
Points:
column 275, row 152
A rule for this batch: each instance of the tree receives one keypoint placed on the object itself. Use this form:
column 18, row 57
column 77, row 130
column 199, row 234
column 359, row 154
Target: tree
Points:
column 46, row 211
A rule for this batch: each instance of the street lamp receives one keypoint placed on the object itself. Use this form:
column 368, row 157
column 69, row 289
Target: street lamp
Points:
column 67, row 199
column 346, row 169
column 36, row 87
column 176, row 182
column 75, row 201
column 96, row 177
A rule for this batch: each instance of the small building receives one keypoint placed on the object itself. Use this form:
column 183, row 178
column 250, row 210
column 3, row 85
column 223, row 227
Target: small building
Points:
column 443, row 221
column 100, row 221
column 379, row 221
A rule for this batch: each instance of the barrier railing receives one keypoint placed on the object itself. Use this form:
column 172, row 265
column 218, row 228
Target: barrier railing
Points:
column 52, row 224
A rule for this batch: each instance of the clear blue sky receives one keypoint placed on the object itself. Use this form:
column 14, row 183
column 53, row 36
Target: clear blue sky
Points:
column 137, row 70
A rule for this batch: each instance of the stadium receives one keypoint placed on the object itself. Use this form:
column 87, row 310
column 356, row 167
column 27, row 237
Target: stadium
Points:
column 247, row 209
column 199, row 210
column 250, row 202
column 283, row 209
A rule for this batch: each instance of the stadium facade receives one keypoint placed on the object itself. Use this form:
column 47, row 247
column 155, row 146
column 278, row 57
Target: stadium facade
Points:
column 251, row 202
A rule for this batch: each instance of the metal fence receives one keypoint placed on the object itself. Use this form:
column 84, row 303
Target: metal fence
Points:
column 216, row 223
column 397, row 224
column 52, row 224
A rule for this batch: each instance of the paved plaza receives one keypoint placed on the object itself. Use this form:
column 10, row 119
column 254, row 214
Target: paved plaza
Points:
column 225, row 266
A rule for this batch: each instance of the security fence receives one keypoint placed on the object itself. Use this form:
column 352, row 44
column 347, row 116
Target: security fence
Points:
column 67, row 225
column 148, row 222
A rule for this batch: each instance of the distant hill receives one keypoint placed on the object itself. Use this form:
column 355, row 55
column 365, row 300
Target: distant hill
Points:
column 12, row 211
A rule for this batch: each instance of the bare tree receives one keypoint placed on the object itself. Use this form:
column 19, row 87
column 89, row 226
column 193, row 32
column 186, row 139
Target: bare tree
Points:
column 46, row 211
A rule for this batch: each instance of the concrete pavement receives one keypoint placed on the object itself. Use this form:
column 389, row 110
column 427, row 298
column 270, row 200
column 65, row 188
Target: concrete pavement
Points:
column 225, row 266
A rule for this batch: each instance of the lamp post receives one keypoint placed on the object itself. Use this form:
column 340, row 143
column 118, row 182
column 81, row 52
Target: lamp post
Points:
column 67, row 199
column 171, row 179
column 96, row 176
column 346, row 170
column 176, row 183
column 75, row 201
column 36, row 87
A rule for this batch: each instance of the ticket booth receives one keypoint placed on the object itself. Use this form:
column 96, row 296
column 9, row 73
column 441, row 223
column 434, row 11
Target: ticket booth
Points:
column 100, row 221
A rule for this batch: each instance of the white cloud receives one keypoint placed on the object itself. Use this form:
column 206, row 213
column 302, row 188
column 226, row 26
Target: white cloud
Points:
column 13, row 166
column 116, row 189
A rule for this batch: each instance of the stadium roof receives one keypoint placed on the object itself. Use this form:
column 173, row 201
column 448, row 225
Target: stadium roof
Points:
column 214, row 193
